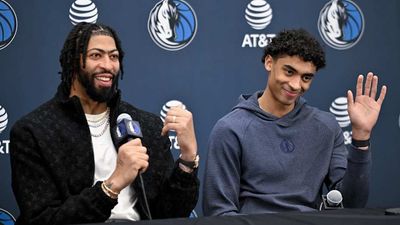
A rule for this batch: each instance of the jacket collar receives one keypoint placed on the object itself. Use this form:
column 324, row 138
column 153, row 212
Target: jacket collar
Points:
column 73, row 103
column 63, row 97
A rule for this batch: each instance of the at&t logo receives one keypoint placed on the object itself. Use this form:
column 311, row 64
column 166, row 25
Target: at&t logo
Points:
column 163, row 113
column 339, row 109
column 8, row 24
column 83, row 11
column 172, row 24
column 3, row 119
column 4, row 144
column 341, row 24
column 258, row 15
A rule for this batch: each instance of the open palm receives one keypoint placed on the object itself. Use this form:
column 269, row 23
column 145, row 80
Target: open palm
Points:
column 364, row 109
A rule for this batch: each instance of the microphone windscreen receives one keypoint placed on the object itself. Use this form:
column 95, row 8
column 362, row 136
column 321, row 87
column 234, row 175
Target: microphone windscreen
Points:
column 123, row 116
column 334, row 197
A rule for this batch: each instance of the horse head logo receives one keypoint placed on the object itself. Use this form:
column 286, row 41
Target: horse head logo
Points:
column 165, row 19
column 172, row 24
column 341, row 24
column 333, row 18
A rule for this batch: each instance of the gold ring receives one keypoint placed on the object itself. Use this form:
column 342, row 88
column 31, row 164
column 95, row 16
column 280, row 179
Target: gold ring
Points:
column 173, row 119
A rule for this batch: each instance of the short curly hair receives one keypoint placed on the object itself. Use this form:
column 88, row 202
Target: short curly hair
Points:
column 296, row 42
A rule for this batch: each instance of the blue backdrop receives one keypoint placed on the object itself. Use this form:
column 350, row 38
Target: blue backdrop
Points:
column 214, row 56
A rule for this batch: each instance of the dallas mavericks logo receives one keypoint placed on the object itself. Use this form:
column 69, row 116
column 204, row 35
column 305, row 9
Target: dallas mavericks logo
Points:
column 83, row 11
column 172, row 24
column 339, row 109
column 3, row 119
column 341, row 24
column 258, row 14
column 287, row 146
column 6, row 218
column 8, row 24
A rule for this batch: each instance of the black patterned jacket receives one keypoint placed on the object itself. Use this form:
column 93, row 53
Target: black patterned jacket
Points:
column 52, row 166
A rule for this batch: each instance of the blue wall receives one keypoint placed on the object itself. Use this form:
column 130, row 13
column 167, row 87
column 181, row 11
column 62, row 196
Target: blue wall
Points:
column 209, row 73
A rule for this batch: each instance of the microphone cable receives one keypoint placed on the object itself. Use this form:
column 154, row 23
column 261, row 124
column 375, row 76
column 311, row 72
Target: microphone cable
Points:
column 145, row 196
column 130, row 129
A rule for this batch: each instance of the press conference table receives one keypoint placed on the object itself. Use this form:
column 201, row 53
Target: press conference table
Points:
column 330, row 217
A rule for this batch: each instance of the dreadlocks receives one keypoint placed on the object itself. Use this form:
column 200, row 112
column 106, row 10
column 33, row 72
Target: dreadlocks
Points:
column 75, row 46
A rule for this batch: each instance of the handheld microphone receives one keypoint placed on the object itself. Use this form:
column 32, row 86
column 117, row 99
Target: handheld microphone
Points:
column 128, row 129
column 332, row 200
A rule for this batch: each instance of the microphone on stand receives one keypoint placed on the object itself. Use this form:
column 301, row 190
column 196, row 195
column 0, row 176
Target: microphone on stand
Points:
column 332, row 200
column 128, row 129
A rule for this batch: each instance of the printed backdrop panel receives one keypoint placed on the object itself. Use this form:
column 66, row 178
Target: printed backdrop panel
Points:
column 205, row 60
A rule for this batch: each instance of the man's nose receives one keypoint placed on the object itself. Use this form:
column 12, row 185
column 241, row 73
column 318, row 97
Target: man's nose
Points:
column 295, row 83
column 107, row 63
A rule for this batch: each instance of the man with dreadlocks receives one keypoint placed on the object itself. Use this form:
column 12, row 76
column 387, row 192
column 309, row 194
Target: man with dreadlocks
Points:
column 68, row 164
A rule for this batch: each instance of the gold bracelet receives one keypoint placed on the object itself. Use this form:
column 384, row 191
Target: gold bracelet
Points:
column 110, row 193
column 109, row 189
column 106, row 192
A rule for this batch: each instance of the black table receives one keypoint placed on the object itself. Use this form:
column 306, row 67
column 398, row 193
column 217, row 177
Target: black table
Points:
column 329, row 217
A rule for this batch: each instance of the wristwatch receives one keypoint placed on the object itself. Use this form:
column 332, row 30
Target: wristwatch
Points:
column 360, row 144
column 190, row 164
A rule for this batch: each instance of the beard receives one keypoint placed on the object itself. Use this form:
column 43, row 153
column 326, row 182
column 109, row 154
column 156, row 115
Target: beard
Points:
column 103, row 94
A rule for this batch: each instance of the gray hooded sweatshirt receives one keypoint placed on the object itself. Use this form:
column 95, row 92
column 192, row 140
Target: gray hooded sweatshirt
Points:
column 259, row 163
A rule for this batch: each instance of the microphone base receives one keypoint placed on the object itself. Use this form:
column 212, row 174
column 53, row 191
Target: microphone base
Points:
column 325, row 206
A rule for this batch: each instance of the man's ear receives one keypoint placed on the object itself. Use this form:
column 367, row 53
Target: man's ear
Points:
column 268, row 62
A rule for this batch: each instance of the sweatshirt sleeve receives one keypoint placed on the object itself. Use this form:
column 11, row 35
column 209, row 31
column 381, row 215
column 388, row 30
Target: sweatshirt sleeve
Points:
column 222, row 174
column 355, row 184
column 350, row 176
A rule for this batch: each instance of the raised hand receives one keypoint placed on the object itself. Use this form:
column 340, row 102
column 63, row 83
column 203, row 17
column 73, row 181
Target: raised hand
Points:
column 181, row 121
column 364, row 109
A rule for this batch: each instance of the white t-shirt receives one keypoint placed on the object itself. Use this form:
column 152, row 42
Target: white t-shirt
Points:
column 105, row 159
